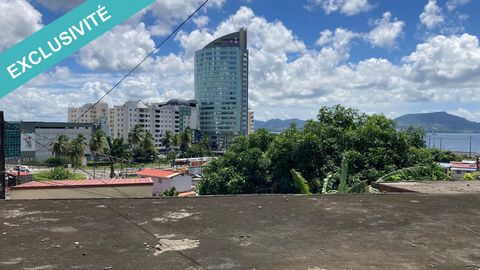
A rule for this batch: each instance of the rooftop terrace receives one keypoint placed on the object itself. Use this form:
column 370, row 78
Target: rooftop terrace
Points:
column 408, row 231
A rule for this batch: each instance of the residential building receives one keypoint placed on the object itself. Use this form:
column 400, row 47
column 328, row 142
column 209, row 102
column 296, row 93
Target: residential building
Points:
column 459, row 169
column 88, row 113
column 251, row 121
column 194, row 165
column 174, row 116
column 221, row 87
column 123, row 118
column 30, row 141
column 165, row 180
column 91, row 113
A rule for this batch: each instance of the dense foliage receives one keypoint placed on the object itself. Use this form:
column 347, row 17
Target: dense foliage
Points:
column 369, row 145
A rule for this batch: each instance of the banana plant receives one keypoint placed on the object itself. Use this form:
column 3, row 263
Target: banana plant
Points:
column 300, row 182
column 343, row 188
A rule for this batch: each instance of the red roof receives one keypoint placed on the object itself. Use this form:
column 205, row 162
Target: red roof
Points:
column 157, row 173
column 14, row 173
column 85, row 183
column 463, row 165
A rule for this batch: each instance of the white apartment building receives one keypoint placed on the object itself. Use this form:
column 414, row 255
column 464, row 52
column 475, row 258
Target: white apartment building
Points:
column 174, row 116
column 96, row 114
column 91, row 114
column 251, row 121
column 157, row 118
column 123, row 118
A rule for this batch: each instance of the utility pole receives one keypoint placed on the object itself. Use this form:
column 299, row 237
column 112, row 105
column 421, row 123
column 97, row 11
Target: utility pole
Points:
column 470, row 151
column 441, row 143
column 2, row 158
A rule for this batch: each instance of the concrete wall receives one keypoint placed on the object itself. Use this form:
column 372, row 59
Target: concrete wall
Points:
column 143, row 191
column 181, row 183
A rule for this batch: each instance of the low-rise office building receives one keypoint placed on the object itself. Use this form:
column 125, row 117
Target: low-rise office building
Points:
column 31, row 141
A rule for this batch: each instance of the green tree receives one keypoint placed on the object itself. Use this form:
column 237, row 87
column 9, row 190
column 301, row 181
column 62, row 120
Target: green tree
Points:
column 201, row 149
column 117, row 152
column 147, row 145
column 176, row 141
column 98, row 144
column 76, row 149
column 185, row 140
column 343, row 150
column 167, row 140
column 136, row 136
column 59, row 146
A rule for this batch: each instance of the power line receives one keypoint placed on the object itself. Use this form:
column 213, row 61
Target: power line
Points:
column 144, row 59
column 129, row 73
column 141, row 62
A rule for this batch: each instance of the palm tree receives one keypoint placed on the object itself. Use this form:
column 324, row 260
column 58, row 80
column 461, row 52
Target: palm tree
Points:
column 136, row 136
column 148, row 145
column 167, row 140
column 98, row 142
column 176, row 141
column 76, row 149
column 59, row 147
column 185, row 140
column 97, row 146
column 117, row 151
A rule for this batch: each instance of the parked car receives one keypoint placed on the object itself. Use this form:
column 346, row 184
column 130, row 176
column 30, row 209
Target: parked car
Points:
column 22, row 168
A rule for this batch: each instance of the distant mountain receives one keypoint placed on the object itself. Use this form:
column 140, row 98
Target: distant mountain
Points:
column 439, row 122
column 278, row 125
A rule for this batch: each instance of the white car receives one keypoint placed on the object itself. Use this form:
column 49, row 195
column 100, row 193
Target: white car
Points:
column 22, row 168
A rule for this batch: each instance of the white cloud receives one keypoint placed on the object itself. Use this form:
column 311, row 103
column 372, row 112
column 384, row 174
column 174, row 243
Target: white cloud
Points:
column 169, row 13
column 432, row 15
column 60, row 5
column 201, row 21
column 337, row 43
column 347, row 7
column 120, row 49
column 467, row 114
column 284, row 73
column 454, row 4
column 454, row 59
column 15, row 28
column 387, row 31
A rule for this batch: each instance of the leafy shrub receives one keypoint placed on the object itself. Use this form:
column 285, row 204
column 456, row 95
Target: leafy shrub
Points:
column 55, row 162
column 170, row 192
column 58, row 173
column 471, row 176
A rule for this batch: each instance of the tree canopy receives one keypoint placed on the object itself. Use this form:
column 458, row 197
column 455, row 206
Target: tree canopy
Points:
column 369, row 145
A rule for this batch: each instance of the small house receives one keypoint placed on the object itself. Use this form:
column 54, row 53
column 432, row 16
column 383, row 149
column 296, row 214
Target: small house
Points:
column 459, row 169
column 164, row 180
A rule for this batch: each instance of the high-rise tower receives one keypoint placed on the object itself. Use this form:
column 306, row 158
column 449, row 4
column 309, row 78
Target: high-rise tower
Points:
column 221, row 87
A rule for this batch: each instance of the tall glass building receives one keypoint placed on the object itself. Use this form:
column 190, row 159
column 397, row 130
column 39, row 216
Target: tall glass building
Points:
column 221, row 87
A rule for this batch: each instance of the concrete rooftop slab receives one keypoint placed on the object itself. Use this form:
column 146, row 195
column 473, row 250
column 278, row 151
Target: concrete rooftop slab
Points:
column 407, row 231
column 434, row 187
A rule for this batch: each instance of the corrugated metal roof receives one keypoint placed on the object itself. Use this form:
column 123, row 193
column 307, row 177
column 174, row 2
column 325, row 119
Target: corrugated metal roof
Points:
column 157, row 173
column 84, row 183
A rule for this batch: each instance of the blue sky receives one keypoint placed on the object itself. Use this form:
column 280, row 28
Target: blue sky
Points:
column 390, row 56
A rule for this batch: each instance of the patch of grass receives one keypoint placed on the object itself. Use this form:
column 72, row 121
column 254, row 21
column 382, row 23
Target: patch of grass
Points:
column 58, row 174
